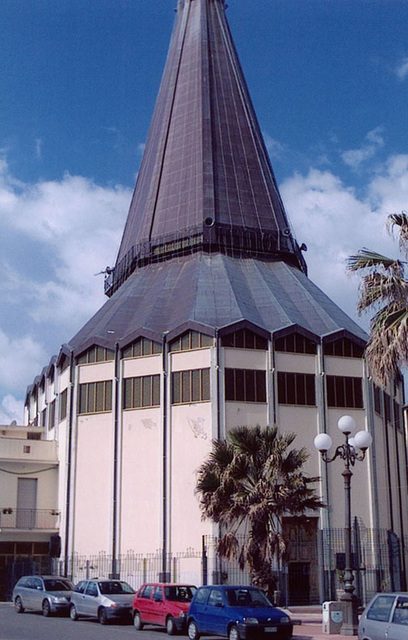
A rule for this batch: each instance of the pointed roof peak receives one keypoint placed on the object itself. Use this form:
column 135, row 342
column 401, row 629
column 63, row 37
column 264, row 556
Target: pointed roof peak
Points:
column 205, row 182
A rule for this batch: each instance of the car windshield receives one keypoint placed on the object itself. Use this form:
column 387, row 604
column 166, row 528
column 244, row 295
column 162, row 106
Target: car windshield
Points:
column 179, row 593
column 247, row 598
column 57, row 585
column 112, row 588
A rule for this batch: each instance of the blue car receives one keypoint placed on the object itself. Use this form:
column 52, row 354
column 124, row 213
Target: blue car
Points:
column 240, row 613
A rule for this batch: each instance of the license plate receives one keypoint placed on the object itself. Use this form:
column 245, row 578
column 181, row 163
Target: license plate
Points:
column 271, row 629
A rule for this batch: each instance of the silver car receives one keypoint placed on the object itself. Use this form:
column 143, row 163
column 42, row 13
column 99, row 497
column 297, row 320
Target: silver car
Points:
column 103, row 599
column 385, row 618
column 49, row 594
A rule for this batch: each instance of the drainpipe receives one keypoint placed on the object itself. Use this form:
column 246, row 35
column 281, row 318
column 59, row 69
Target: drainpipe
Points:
column 69, row 461
column 115, row 514
column 218, row 383
column 165, row 458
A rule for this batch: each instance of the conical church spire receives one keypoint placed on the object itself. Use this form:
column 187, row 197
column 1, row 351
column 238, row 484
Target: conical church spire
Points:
column 205, row 181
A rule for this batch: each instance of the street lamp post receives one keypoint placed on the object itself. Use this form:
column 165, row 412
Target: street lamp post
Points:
column 353, row 449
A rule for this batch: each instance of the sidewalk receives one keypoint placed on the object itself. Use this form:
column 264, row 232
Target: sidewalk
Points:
column 311, row 627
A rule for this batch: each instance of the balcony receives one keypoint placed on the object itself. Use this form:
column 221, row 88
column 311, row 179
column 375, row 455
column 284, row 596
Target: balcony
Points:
column 29, row 519
column 38, row 451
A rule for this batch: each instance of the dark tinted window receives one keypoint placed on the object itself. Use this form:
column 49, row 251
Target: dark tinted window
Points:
column 244, row 339
column 344, row 391
column 180, row 593
column 296, row 388
column 57, row 585
column 114, row 587
column 245, row 385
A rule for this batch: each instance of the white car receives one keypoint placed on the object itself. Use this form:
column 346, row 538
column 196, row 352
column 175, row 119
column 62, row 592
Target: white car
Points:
column 102, row 599
column 385, row 618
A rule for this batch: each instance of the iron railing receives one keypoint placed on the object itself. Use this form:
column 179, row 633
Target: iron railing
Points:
column 29, row 518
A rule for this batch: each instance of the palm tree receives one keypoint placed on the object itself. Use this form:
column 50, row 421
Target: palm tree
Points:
column 384, row 291
column 247, row 485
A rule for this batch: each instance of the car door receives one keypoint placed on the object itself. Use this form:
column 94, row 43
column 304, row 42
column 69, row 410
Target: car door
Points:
column 27, row 593
column 398, row 628
column 215, row 615
column 90, row 600
column 37, row 594
column 145, row 604
column 375, row 622
column 157, row 604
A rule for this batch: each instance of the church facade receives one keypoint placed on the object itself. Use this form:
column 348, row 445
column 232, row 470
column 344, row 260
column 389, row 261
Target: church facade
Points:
column 211, row 322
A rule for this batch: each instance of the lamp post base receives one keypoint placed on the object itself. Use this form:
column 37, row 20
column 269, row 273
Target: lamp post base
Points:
column 350, row 614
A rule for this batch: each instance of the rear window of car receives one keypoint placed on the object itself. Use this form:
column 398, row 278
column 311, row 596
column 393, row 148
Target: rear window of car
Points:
column 381, row 608
column 179, row 593
column 114, row 587
column 401, row 612
column 57, row 585
column 247, row 597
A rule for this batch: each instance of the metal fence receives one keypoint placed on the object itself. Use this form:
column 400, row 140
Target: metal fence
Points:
column 311, row 574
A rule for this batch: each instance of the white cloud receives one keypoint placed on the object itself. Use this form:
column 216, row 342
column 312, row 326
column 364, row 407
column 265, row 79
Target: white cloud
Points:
column 274, row 147
column 11, row 409
column 401, row 69
column 354, row 158
column 54, row 237
column 20, row 360
column 335, row 223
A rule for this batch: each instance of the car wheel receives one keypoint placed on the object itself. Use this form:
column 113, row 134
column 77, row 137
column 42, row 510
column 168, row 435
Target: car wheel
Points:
column 233, row 633
column 102, row 616
column 192, row 631
column 73, row 613
column 18, row 605
column 46, row 609
column 137, row 621
column 171, row 626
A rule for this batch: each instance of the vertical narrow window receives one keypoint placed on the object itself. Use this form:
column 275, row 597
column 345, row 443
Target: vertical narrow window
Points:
column 63, row 405
column 296, row 388
column 95, row 397
column 245, row 385
column 190, row 386
column 143, row 391
column 344, row 391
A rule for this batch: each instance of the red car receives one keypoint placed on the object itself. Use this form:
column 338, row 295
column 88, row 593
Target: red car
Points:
column 163, row 604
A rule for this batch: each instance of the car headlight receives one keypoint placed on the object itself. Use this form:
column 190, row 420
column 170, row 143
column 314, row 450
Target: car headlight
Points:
column 251, row 620
column 182, row 614
column 284, row 620
column 60, row 599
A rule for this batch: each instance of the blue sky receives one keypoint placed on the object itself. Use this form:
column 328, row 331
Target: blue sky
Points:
column 78, row 83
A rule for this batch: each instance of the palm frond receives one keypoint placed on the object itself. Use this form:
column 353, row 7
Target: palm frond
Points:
column 400, row 220
column 368, row 259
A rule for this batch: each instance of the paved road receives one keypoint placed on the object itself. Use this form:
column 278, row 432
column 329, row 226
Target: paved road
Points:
column 33, row 626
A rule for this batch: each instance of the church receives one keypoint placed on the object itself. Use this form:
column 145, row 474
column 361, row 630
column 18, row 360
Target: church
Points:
column 211, row 322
